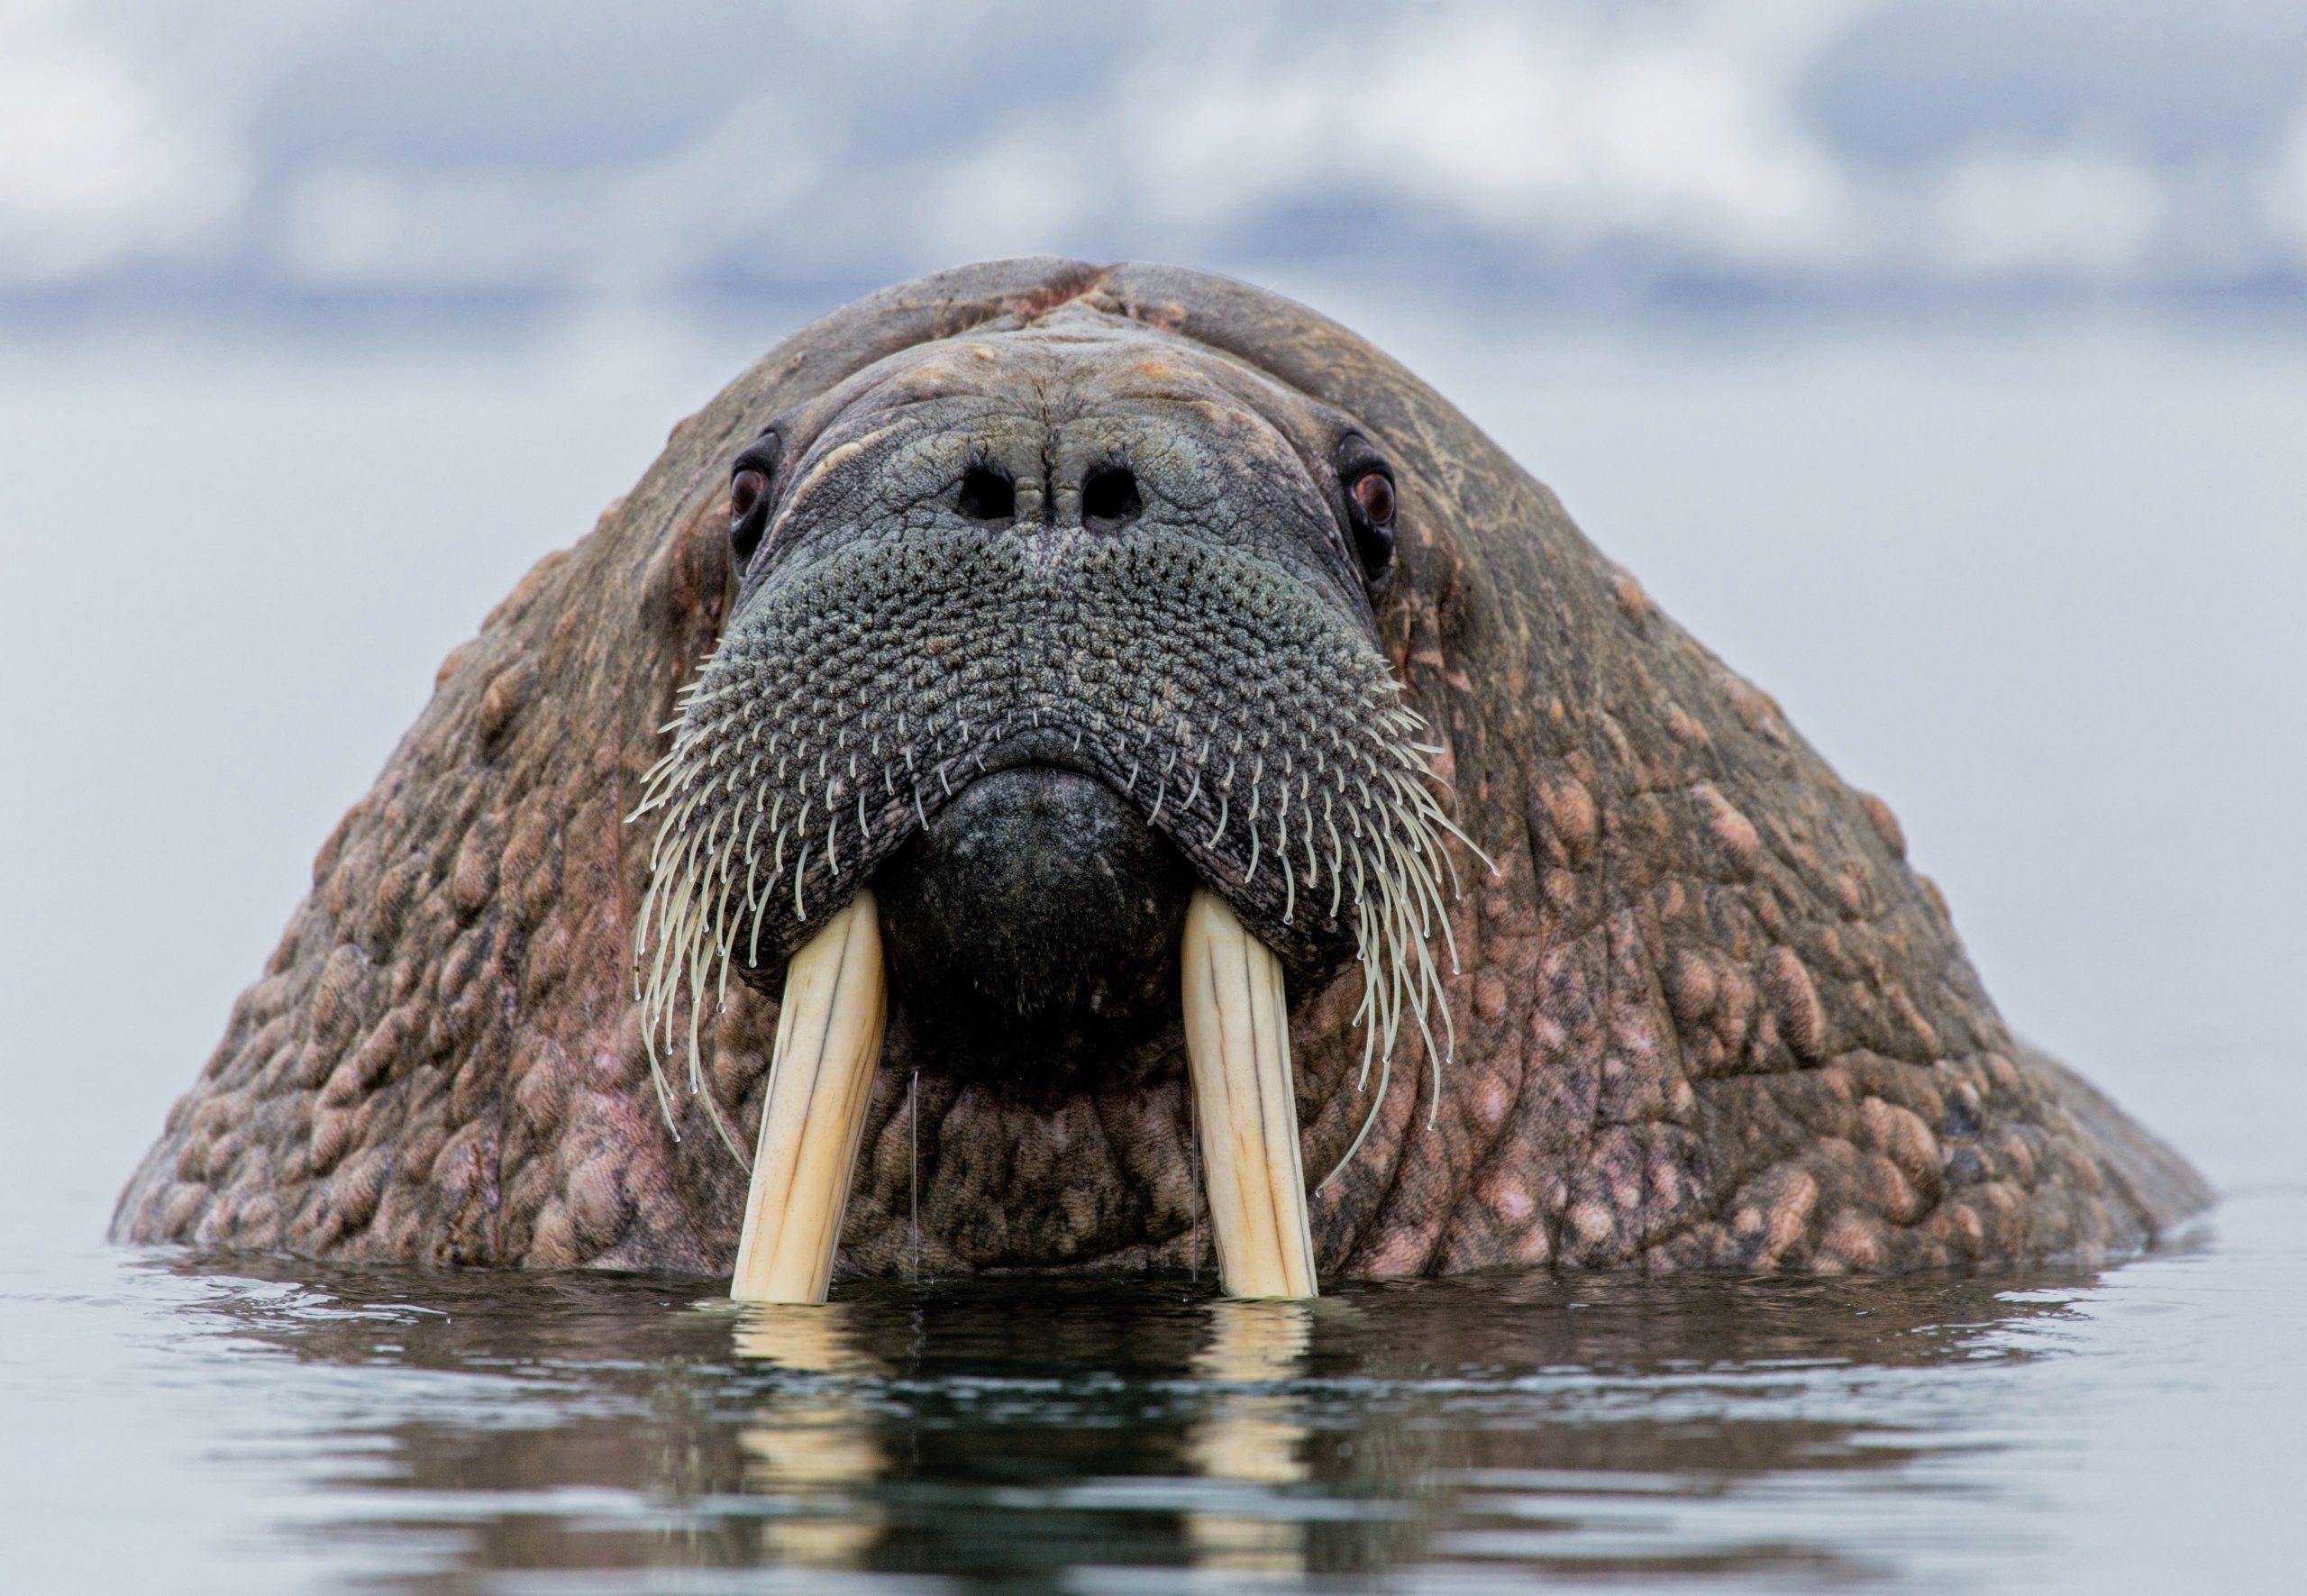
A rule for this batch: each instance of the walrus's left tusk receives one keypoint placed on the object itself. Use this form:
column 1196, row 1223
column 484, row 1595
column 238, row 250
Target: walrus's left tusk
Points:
column 820, row 1079
column 1245, row 1109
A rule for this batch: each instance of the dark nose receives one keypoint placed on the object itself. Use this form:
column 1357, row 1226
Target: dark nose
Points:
column 1037, row 905
column 1105, row 499
column 1100, row 497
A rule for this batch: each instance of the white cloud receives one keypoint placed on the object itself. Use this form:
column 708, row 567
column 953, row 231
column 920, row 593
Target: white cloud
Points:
column 1580, row 138
column 1565, row 128
column 2282, row 191
column 638, row 228
column 102, row 162
column 2073, row 215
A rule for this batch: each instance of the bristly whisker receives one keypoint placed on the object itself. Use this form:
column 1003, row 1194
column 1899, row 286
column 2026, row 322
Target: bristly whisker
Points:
column 745, row 840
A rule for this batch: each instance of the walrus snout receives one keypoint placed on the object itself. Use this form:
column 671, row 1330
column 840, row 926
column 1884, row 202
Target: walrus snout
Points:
column 1038, row 914
column 1050, row 737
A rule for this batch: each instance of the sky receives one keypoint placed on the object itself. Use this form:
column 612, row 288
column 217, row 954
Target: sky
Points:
column 435, row 164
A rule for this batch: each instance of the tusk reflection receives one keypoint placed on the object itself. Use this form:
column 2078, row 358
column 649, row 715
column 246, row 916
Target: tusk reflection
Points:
column 1250, row 1437
column 814, row 1447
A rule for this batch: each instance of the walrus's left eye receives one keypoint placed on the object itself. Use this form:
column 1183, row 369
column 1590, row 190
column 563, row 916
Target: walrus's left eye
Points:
column 1371, row 497
column 1375, row 495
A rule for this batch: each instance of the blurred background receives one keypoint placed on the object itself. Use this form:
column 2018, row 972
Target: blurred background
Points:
column 1941, row 363
column 442, row 170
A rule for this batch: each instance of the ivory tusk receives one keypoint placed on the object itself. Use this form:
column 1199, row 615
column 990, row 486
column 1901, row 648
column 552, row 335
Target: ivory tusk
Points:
column 1238, row 1047
column 820, row 1079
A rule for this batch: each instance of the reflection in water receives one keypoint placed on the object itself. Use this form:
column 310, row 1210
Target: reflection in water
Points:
column 511, row 1431
column 1249, row 1438
column 814, row 1446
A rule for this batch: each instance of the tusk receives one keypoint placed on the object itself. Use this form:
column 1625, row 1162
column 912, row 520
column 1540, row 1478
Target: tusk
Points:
column 820, row 1079
column 1237, row 1045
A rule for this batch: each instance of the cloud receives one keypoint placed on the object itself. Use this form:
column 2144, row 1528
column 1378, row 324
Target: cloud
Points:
column 423, row 151
column 2073, row 215
column 1567, row 129
column 2282, row 191
column 104, row 162
column 645, row 227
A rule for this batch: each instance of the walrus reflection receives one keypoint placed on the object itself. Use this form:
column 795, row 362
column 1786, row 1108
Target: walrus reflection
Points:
column 1252, row 1437
column 814, row 1446
column 1054, row 1425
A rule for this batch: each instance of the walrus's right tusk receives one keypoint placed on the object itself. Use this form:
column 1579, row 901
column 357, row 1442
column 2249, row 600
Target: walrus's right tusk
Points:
column 1238, row 1047
column 820, row 1079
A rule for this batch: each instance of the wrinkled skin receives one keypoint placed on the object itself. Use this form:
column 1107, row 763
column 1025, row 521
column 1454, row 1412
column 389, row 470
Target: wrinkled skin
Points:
column 1708, row 1015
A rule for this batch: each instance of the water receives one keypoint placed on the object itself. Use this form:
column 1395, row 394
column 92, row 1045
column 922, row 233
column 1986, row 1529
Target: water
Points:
column 258, row 1425
column 2044, row 597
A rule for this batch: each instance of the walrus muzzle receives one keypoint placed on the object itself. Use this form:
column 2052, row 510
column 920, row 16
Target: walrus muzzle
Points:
column 1218, row 675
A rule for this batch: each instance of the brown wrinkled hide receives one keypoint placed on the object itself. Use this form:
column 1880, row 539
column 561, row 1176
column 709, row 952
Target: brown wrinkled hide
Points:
column 1708, row 1015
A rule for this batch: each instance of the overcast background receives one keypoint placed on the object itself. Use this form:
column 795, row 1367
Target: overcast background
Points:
column 1942, row 365
column 429, row 163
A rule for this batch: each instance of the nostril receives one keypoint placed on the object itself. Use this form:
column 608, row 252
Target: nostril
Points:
column 986, row 495
column 1109, row 498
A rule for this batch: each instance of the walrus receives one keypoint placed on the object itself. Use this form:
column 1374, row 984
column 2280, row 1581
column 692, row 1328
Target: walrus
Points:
column 1162, row 788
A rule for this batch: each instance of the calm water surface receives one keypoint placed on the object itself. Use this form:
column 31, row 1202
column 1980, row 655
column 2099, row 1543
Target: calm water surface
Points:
column 2052, row 612
column 279, row 1426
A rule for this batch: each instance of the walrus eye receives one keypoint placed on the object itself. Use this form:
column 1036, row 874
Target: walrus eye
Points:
column 749, row 478
column 1372, row 497
column 747, row 491
column 1375, row 495
column 986, row 495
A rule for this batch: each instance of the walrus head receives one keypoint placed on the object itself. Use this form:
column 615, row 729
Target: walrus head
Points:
column 1037, row 633
column 1090, row 657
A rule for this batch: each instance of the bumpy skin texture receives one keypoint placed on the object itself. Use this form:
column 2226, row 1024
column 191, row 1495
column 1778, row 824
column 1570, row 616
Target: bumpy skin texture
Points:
column 1709, row 1017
